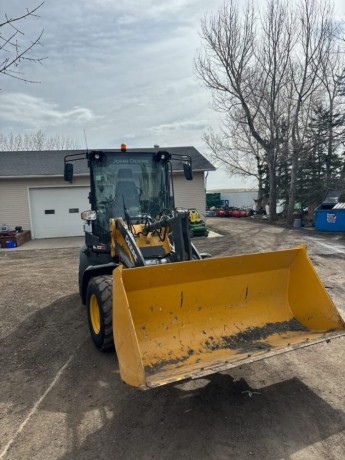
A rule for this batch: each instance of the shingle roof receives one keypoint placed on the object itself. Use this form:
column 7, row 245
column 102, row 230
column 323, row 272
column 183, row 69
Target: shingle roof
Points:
column 50, row 162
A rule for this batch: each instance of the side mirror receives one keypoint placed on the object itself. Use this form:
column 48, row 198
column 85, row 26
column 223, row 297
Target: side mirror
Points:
column 68, row 172
column 187, row 169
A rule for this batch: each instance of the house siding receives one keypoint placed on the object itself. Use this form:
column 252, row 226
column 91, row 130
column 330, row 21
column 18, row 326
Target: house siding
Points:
column 14, row 197
column 190, row 194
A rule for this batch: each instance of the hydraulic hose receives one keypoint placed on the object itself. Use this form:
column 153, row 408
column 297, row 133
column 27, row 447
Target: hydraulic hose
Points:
column 163, row 222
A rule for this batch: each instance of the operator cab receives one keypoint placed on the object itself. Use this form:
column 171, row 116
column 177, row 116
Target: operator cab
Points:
column 128, row 184
column 137, row 187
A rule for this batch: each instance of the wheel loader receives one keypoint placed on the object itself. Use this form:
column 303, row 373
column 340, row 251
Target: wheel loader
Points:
column 170, row 312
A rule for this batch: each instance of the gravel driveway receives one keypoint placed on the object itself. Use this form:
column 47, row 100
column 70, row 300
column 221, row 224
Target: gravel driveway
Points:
column 62, row 399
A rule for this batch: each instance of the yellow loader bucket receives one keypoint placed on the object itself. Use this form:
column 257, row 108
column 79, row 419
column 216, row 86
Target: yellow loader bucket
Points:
column 189, row 319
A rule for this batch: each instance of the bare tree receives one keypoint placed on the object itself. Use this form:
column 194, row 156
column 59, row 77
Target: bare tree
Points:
column 332, row 73
column 59, row 142
column 244, row 61
column 312, row 49
column 237, row 150
column 272, row 65
column 14, row 48
column 10, row 142
column 35, row 141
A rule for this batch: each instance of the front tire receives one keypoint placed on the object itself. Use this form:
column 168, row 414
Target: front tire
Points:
column 99, row 303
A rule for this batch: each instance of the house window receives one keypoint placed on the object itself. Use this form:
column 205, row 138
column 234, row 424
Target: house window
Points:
column 74, row 210
column 49, row 211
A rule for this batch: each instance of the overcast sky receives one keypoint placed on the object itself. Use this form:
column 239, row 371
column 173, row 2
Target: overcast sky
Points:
column 120, row 69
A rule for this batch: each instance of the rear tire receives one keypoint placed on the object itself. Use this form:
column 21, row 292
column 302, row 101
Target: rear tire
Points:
column 99, row 303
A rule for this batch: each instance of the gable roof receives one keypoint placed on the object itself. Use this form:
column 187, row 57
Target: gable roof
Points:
column 50, row 162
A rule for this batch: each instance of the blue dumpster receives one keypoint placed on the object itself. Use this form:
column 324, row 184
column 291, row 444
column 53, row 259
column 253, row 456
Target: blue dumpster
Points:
column 330, row 215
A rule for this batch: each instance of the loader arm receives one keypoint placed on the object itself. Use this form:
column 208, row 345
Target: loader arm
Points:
column 164, row 240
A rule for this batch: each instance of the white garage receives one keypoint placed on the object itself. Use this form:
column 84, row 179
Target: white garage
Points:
column 55, row 211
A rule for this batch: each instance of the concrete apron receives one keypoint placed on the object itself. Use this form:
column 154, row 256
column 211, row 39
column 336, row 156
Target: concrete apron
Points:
column 49, row 243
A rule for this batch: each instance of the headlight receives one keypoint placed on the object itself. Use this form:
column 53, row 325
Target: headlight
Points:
column 89, row 215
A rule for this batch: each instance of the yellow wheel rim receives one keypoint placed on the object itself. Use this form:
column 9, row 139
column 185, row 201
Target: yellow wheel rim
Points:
column 94, row 314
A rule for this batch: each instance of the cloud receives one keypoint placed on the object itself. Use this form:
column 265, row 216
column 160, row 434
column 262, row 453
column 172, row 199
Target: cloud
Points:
column 134, row 9
column 35, row 112
column 121, row 69
column 179, row 125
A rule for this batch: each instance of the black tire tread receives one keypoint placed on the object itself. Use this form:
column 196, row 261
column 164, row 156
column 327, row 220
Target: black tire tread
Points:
column 102, row 287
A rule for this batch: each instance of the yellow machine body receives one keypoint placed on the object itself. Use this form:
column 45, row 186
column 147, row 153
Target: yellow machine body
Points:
column 142, row 241
column 194, row 216
column 189, row 319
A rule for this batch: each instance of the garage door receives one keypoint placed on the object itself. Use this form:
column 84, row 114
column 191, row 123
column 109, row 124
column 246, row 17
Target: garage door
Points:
column 55, row 211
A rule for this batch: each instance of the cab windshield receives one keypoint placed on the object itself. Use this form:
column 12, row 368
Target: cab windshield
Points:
column 135, row 182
